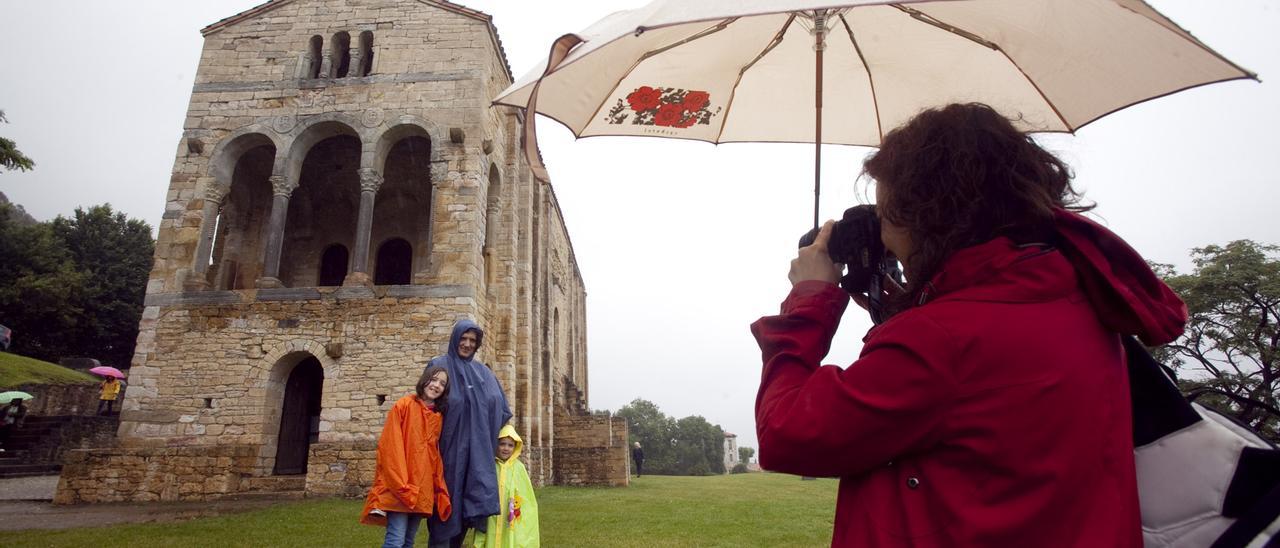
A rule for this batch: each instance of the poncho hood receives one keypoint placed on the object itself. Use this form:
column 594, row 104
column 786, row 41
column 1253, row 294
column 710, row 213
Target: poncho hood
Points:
column 509, row 431
column 1127, row 295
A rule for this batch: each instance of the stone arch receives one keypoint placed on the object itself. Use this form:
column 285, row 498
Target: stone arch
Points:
column 324, row 205
column 492, row 212
column 340, row 45
column 314, row 57
column 227, row 152
column 280, row 363
column 310, row 131
column 366, row 54
column 231, row 239
column 404, row 127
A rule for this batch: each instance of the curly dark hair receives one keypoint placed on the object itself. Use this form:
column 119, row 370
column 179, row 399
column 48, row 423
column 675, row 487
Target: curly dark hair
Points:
column 442, row 402
column 960, row 175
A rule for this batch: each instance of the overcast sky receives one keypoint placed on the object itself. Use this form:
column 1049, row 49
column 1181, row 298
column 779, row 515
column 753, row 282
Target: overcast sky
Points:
column 681, row 244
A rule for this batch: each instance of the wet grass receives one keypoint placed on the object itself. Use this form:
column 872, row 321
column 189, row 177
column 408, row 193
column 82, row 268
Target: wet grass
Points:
column 738, row 510
column 18, row 370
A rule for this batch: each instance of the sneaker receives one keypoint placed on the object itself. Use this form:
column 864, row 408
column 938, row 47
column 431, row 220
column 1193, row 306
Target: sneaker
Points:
column 378, row 513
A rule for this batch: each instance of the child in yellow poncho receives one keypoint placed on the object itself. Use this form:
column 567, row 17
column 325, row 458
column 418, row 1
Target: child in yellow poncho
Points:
column 517, row 524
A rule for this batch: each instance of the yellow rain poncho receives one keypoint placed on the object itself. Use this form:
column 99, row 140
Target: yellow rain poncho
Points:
column 517, row 525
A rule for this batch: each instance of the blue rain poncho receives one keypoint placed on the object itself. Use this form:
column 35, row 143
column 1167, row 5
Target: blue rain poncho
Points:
column 477, row 409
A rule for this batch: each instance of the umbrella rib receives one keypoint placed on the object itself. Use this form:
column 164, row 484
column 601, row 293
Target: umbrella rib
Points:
column 733, row 92
column 935, row 22
column 700, row 34
column 871, row 80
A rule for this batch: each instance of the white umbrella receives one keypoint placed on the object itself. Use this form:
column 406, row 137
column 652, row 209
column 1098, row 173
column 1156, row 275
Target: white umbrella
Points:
column 758, row 70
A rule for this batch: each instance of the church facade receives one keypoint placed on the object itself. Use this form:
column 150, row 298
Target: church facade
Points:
column 342, row 194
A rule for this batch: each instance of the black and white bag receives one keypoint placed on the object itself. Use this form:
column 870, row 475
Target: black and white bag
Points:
column 1203, row 479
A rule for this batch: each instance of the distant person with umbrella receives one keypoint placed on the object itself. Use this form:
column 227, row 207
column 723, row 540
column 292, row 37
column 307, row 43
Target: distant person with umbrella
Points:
column 991, row 407
column 477, row 411
column 109, row 390
column 11, row 418
column 637, row 455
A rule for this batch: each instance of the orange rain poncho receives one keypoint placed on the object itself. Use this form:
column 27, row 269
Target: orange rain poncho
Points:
column 409, row 476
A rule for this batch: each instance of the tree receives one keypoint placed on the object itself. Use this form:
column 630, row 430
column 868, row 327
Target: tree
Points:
column 687, row 447
column 10, row 157
column 745, row 454
column 1232, row 342
column 40, row 288
column 114, row 253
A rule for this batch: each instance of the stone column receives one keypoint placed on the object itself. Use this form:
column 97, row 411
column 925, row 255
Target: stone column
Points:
column 213, row 196
column 326, row 64
column 370, row 181
column 281, row 190
column 304, row 68
column 353, row 68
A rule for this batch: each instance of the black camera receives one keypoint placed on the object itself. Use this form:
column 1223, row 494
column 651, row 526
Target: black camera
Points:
column 855, row 242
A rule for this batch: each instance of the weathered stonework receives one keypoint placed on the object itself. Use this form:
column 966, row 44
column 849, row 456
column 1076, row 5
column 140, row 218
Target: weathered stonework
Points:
column 333, row 210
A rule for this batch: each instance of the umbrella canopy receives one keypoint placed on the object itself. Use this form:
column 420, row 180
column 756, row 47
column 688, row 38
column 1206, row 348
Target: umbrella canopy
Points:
column 6, row 397
column 107, row 371
column 758, row 70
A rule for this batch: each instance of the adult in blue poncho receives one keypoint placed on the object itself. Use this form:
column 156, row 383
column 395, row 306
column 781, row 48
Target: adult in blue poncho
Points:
column 477, row 410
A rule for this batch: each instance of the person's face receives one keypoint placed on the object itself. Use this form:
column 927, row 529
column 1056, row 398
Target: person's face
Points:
column 895, row 237
column 506, row 446
column 435, row 386
column 467, row 345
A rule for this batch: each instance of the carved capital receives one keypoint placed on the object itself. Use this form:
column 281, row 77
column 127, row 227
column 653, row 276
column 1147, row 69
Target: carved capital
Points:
column 215, row 193
column 280, row 186
column 370, row 180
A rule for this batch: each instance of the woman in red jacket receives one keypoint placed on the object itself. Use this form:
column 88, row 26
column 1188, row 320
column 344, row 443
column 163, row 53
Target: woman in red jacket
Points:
column 992, row 407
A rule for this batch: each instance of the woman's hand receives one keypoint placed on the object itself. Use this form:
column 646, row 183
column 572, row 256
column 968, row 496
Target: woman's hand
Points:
column 813, row 262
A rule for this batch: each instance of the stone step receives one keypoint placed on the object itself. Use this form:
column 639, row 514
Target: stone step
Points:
column 22, row 470
column 267, row 495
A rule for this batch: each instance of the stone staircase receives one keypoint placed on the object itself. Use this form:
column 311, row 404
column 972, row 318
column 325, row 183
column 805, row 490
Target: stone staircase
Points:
column 274, row 487
column 36, row 449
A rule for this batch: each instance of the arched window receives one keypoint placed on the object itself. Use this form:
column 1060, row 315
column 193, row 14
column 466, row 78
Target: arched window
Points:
column 341, row 54
column 333, row 265
column 366, row 54
column 395, row 263
column 314, row 56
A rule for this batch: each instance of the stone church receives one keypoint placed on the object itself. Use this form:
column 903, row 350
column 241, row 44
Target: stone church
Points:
column 343, row 193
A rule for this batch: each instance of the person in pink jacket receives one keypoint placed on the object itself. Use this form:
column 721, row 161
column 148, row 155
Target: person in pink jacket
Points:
column 992, row 407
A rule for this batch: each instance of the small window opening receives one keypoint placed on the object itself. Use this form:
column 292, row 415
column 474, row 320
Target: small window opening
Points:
column 333, row 265
column 208, row 403
column 366, row 54
column 313, row 71
column 382, row 398
column 341, row 44
column 395, row 260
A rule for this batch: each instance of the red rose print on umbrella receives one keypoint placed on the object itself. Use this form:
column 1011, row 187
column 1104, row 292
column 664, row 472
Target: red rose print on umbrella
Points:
column 666, row 107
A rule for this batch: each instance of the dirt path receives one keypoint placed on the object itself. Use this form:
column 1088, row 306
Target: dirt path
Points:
column 24, row 504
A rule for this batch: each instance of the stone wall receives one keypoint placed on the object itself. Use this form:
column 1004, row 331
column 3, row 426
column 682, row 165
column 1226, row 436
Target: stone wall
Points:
column 73, row 432
column 342, row 469
column 155, row 474
column 62, row 399
column 592, row 450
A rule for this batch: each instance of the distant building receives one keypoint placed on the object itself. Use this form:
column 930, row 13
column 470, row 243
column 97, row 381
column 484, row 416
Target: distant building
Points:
column 730, row 451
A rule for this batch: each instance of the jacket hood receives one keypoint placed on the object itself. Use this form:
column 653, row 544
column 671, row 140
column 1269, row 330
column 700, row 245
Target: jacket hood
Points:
column 462, row 326
column 509, row 431
column 1128, row 297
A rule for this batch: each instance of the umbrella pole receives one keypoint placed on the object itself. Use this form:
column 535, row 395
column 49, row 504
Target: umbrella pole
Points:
column 819, row 44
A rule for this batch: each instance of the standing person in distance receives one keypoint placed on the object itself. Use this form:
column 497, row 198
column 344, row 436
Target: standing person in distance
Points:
column 477, row 411
column 408, row 483
column 109, row 391
column 992, row 407
column 637, row 455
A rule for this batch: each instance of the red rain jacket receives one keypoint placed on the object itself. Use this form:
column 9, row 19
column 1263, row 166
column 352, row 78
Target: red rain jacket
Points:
column 997, row 414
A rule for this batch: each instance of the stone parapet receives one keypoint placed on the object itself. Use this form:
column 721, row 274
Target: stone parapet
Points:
column 341, row 469
column 145, row 474
column 591, row 450
column 61, row 399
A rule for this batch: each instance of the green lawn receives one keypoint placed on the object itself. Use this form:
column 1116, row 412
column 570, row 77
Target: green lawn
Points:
column 738, row 510
column 17, row 370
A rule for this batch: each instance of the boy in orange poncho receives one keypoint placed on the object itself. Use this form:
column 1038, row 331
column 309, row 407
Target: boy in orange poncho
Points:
column 409, row 482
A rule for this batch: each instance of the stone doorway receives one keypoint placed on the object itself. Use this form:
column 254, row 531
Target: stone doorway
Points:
column 299, row 417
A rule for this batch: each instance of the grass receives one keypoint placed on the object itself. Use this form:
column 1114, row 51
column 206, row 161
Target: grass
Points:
column 738, row 510
column 18, row 370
